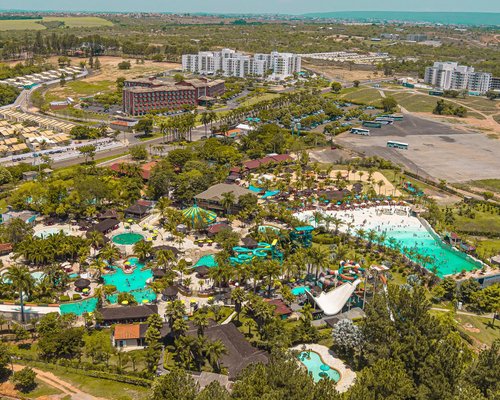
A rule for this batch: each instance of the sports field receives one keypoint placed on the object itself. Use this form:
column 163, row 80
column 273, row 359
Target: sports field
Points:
column 70, row 22
column 363, row 95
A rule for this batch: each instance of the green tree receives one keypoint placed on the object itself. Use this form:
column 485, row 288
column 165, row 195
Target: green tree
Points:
column 176, row 385
column 138, row 153
column 214, row 391
column 336, row 87
column 484, row 372
column 24, row 380
column 145, row 125
column 389, row 103
column 20, row 278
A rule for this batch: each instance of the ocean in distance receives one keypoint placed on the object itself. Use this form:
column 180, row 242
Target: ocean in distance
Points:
column 447, row 18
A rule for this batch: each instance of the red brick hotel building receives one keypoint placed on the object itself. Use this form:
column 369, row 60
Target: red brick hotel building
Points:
column 143, row 95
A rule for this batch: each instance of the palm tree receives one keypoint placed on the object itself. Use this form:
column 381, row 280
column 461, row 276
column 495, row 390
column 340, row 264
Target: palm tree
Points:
column 164, row 258
column 201, row 321
column 96, row 240
column 142, row 249
column 205, row 120
column 214, row 351
column 238, row 295
column 21, row 279
column 163, row 205
column 380, row 183
column 110, row 253
column 360, row 173
column 228, row 200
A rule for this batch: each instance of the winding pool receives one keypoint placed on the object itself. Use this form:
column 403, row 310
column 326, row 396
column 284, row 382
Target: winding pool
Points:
column 314, row 364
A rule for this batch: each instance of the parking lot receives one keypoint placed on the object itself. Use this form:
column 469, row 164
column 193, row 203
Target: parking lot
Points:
column 435, row 150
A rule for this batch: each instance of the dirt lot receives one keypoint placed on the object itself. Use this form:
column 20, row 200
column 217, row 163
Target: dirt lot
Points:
column 435, row 150
column 340, row 74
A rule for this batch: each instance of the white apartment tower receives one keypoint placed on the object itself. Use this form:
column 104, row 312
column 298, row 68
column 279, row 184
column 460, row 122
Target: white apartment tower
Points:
column 451, row 76
column 228, row 62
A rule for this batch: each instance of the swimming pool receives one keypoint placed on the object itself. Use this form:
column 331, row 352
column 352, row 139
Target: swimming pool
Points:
column 297, row 291
column 207, row 260
column 45, row 233
column 127, row 239
column 134, row 283
column 316, row 368
column 135, row 280
column 268, row 193
column 404, row 233
column 79, row 307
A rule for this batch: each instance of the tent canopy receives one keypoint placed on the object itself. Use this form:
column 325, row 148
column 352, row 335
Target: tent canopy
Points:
column 199, row 217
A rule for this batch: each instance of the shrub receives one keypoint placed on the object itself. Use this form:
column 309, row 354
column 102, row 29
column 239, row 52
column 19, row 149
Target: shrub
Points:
column 76, row 296
column 63, row 298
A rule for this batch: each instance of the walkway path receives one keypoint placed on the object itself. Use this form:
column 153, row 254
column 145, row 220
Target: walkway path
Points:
column 229, row 319
column 489, row 316
column 68, row 389
column 347, row 375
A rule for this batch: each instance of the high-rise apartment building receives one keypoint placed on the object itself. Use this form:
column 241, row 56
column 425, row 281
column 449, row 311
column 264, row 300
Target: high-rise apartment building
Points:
column 451, row 76
column 228, row 62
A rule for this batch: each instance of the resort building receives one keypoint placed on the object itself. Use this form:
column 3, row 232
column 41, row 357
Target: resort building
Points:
column 212, row 197
column 120, row 315
column 143, row 95
column 451, row 76
column 228, row 62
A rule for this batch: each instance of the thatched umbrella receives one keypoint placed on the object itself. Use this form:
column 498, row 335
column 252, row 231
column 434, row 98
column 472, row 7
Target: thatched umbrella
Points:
column 82, row 283
column 170, row 292
column 202, row 270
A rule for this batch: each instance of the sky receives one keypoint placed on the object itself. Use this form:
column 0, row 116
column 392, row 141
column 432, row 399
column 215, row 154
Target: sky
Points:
column 253, row 6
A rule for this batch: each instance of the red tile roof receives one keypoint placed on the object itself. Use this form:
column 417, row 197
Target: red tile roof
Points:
column 5, row 247
column 123, row 332
column 281, row 307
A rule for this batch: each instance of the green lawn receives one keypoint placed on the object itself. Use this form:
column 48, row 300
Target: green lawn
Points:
column 257, row 99
column 70, row 22
column 80, row 22
column 488, row 247
column 42, row 390
column 21, row 24
column 414, row 102
column 492, row 185
column 482, row 222
column 479, row 328
column 98, row 387
column 363, row 95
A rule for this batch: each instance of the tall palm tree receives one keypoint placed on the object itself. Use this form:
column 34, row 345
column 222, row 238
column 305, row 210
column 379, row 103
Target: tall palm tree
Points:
column 238, row 295
column 142, row 249
column 21, row 279
column 214, row 351
column 205, row 120
column 110, row 253
column 96, row 240
column 228, row 200
column 201, row 321
column 164, row 258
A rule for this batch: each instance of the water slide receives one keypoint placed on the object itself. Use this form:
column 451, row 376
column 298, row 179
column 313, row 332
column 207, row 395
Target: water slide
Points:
column 331, row 303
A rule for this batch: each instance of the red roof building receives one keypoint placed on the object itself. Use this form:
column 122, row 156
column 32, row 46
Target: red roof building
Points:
column 281, row 309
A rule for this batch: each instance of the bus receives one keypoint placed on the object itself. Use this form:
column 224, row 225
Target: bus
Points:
column 360, row 131
column 397, row 145
column 395, row 117
column 384, row 120
column 372, row 124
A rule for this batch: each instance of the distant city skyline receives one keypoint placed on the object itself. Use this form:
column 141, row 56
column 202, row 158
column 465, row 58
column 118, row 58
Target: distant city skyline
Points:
column 255, row 6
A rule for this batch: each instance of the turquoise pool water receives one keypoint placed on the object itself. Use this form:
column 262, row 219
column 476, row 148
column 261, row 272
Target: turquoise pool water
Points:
column 128, row 238
column 134, row 283
column 207, row 261
column 297, row 291
column 406, row 233
column 129, row 282
column 268, row 193
column 312, row 361
column 79, row 307
column 139, row 296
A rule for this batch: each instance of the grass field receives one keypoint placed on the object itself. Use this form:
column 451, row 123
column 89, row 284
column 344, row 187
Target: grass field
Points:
column 487, row 184
column 42, row 390
column 478, row 328
column 257, row 99
column 363, row 95
column 21, row 25
column 70, row 22
column 80, row 22
column 102, row 388
column 483, row 222
column 414, row 102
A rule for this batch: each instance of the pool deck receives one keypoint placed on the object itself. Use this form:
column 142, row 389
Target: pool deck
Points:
column 347, row 375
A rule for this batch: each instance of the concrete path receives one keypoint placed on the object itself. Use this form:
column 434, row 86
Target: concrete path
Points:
column 489, row 316
column 229, row 319
column 52, row 380
column 347, row 375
